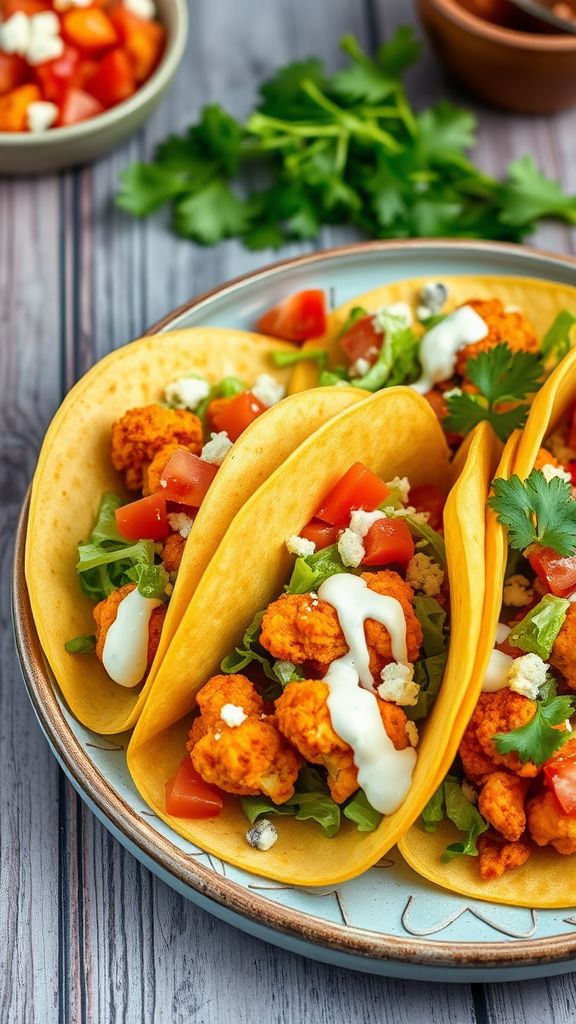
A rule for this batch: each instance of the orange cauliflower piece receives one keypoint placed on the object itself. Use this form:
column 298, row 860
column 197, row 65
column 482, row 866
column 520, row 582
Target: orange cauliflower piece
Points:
column 563, row 655
column 509, row 327
column 232, row 689
column 303, row 717
column 495, row 857
column 173, row 551
column 549, row 825
column 391, row 584
column 140, row 433
column 502, row 711
column 151, row 476
column 105, row 614
column 501, row 803
column 545, row 458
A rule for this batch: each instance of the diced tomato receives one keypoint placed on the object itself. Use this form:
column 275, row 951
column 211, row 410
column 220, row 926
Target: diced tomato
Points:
column 9, row 7
column 238, row 414
column 143, row 40
column 186, row 478
column 297, row 318
column 358, row 488
column 429, row 498
column 145, row 519
column 55, row 76
column 188, row 796
column 571, row 468
column 560, row 776
column 88, row 28
column 14, row 107
column 558, row 573
column 13, row 71
column 323, row 534
column 77, row 106
column 362, row 340
column 387, row 541
column 114, row 79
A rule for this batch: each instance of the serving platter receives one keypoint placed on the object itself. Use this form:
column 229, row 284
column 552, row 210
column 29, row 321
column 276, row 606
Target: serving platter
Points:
column 389, row 921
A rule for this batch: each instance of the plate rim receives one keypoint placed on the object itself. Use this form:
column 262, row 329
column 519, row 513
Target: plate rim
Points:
column 158, row 849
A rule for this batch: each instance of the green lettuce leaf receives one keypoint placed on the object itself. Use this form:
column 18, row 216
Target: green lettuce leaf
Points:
column 361, row 812
column 81, row 645
column 435, row 811
column 151, row 580
column 310, row 572
column 228, row 387
column 397, row 361
column 251, row 650
column 537, row 631
column 432, row 618
column 432, row 542
column 429, row 674
column 462, row 813
column 311, row 801
column 557, row 341
column 105, row 559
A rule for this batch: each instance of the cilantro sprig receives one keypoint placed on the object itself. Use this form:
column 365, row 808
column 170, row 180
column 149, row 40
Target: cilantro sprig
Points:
column 345, row 148
column 503, row 378
column 536, row 510
column 538, row 739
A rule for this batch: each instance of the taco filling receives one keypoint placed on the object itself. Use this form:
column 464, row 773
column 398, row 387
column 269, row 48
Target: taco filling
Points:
column 513, row 785
column 315, row 714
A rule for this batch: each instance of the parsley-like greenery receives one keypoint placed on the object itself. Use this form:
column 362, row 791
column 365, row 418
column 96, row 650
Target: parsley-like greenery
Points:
column 337, row 149
column 536, row 510
column 502, row 378
column 538, row 739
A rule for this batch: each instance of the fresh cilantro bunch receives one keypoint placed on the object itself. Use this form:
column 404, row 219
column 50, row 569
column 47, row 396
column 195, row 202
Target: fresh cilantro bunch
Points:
column 345, row 148
column 536, row 511
column 502, row 378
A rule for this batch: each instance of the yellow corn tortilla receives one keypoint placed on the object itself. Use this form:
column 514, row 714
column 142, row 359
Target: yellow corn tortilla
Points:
column 394, row 433
column 541, row 301
column 547, row 879
column 74, row 470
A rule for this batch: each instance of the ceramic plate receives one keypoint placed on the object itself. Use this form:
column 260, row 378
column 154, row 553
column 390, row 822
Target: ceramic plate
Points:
column 388, row 921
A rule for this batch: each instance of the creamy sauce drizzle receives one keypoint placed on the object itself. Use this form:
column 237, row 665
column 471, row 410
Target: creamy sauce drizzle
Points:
column 441, row 345
column 125, row 653
column 499, row 665
column 384, row 773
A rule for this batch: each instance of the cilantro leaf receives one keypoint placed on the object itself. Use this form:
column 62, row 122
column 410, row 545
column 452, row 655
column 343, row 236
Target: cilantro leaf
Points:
column 443, row 130
column 501, row 377
column 364, row 79
column 538, row 739
column 536, row 511
column 528, row 195
column 210, row 215
column 146, row 187
column 399, row 52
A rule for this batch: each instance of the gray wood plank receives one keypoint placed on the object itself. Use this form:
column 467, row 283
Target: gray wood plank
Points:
column 533, row 1002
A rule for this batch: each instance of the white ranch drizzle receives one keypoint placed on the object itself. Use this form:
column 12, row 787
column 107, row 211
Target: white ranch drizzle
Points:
column 125, row 651
column 441, row 344
column 384, row 773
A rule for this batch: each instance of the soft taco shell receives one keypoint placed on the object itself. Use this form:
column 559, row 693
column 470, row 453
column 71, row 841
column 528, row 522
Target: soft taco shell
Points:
column 541, row 301
column 74, row 470
column 393, row 433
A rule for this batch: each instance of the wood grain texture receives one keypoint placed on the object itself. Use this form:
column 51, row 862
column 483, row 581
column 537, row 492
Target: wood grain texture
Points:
column 86, row 933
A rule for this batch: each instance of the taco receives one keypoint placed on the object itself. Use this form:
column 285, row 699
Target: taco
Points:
column 187, row 419
column 476, row 347
column 238, row 726
column 511, row 792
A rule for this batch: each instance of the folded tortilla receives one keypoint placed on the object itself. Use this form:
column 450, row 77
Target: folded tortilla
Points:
column 74, row 470
column 541, row 301
column 393, row 433
column 547, row 879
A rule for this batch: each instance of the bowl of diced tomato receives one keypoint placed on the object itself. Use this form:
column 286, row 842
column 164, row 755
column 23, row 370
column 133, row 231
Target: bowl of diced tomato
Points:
column 77, row 76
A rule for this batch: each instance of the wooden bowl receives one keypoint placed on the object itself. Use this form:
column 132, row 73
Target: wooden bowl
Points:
column 526, row 72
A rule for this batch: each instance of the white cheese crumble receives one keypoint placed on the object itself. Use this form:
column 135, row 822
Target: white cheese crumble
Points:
column 216, row 449
column 527, row 674
column 399, row 513
column 433, row 296
column 268, row 390
column 142, row 8
column 262, row 835
column 398, row 685
column 401, row 484
column 412, row 733
column 424, row 574
column 396, row 316
column 15, row 34
column 361, row 521
column 351, row 549
column 549, row 472
column 44, row 40
column 180, row 523
column 517, row 592
column 41, row 115
column 232, row 715
column 186, row 393
column 568, row 725
column 556, row 443
column 66, row 5
column 469, row 792
column 300, row 546
column 359, row 367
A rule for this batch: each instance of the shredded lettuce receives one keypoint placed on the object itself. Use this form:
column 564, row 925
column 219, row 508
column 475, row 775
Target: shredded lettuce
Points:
column 432, row 618
column 397, row 360
column 150, row 579
column 355, row 314
column 333, row 378
column 429, row 671
column 361, row 812
column 280, row 672
column 310, row 572
column 557, row 341
column 81, row 645
column 310, row 355
column 432, row 542
column 434, row 812
column 537, row 631
column 310, row 801
column 105, row 559
column 449, row 801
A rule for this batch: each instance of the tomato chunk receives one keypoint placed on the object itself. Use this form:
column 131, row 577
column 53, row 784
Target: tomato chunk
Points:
column 88, row 28
column 188, row 796
column 9, row 7
column 297, row 318
column 362, row 340
column 571, row 468
column 323, row 534
column 142, row 39
column 145, row 519
column 358, row 488
column 78, row 105
column 14, row 107
column 558, row 573
column 429, row 498
column 55, row 76
column 114, row 79
column 186, row 478
column 560, row 776
column 238, row 414
column 13, row 71
column 387, row 541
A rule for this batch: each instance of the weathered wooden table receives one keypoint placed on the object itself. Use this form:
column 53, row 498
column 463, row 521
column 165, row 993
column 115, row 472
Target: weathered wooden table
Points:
column 86, row 934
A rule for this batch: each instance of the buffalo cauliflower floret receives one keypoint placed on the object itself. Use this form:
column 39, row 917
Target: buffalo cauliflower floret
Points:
column 517, row 592
column 142, row 432
column 527, row 674
column 495, row 857
column 303, row 717
column 501, row 803
column 172, row 552
column 545, row 458
column 504, row 326
column 398, row 684
column 549, row 825
column 563, row 654
column 424, row 574
column 105, row 614
column 232, row 689
column 390, row 584
column 502, row 711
